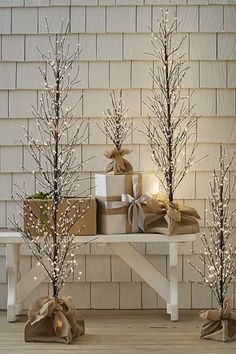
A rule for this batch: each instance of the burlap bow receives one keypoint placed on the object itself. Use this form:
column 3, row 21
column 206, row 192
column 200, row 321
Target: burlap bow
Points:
column 136, row 215
column 169, row 217
column 53, row 320
column 118, row 165
column 221, row 323
column 134, row 203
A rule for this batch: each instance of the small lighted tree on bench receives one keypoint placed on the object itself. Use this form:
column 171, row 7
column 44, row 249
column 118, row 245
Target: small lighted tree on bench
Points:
column 117, row 128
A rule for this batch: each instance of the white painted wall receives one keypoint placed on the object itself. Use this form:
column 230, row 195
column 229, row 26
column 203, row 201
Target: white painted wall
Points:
column 115, row 37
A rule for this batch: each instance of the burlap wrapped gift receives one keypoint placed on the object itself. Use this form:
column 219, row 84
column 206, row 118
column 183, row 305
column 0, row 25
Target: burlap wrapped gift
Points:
column 38, row 211
column 170, row 218
column 220, row 324
column 118, row 165
column 122, row 212
column 53, row 320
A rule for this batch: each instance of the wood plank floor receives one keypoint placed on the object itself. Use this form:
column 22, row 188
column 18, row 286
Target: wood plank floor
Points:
column 116, row 332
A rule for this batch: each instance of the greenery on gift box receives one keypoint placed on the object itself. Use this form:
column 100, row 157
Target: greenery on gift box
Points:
column 39, row 195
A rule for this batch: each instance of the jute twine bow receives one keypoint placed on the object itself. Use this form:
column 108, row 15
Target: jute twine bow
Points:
column 118, row 165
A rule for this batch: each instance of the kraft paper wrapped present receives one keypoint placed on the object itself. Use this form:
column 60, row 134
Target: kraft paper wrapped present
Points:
column 121, row 201
column 220, row 324
column 170, row 218
column 53, row 320
column 37, row 216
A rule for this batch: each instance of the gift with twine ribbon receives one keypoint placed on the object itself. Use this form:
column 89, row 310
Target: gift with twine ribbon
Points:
column 53, row 320
column 118, row 165
column 130, row 205
column 36, row 205
column 170, row 218
column 220, row 324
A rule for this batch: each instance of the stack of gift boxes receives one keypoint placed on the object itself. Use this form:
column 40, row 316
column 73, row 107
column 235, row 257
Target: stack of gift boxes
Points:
column 132, row 203
column 123, row 203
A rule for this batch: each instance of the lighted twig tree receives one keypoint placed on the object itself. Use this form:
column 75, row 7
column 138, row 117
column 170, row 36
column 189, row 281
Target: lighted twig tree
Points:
column 219, row 256
column 116, row 125
column 117, row 128
column 169, row 131
column 60, row 134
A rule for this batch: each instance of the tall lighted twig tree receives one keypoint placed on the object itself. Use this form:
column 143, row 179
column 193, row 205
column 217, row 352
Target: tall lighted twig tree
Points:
column 219, row 256
column 172, row 122
column 54, row 152
column 117, row 128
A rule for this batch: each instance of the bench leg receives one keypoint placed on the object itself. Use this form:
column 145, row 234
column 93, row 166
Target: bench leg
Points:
column 168, row 308
column 12, row 266
column 172, row 306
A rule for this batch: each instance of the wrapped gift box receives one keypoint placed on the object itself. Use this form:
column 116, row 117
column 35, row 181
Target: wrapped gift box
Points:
column 170, row 218
column 114, row 194
column 37, row 216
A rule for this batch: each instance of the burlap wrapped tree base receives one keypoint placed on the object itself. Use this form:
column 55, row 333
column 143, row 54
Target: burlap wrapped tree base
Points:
column 220, row 324
column 53, row 320
column 118, row 165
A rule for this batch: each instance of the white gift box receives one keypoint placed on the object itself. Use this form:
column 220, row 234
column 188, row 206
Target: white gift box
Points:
column 111, row 192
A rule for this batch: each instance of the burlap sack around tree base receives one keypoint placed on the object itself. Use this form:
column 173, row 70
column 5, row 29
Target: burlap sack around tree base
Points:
column 220, row 324
column 53, row 320
column 118, row 165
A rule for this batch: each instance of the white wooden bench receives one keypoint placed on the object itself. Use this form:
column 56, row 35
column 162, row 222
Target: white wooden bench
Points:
column 18, row 290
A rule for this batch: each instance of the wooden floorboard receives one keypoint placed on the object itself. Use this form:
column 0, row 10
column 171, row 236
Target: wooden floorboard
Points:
column 116, row 332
